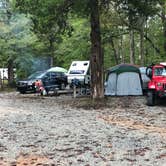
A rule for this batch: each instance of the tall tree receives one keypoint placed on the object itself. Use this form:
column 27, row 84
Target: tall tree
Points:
column 5, row 18
column 141, row 34
column 49, row 21
column 16, row 43
column 58, row 12
column 163, row 19
column 131, row 12
column 96, row 52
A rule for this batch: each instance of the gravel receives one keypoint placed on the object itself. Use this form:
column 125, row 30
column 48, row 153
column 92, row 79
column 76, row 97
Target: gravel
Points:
column 51, row 131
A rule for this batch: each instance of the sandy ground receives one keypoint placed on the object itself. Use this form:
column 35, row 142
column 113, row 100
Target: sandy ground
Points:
column 51, row 131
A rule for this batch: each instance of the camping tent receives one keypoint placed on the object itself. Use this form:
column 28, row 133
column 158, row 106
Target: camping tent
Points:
column 58, row 69
column 124, row 79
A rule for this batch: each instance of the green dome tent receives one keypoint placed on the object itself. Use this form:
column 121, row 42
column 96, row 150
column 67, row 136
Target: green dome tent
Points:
column 123, row 79
column 58, row 69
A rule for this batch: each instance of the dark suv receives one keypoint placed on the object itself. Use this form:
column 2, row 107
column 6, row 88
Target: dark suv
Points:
column 52, row 80
column 28, row 85
column 49, row 79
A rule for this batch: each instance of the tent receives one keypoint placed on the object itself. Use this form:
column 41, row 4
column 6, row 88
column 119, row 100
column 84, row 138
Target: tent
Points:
column 123, row 79
column 58, row 69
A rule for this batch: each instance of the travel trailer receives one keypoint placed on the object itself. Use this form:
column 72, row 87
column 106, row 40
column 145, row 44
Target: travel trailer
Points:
column 79, row 70
column 4, row 73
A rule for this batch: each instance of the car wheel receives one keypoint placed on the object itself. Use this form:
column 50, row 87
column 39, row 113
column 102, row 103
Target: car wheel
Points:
column 151, row 98
column 22, row 92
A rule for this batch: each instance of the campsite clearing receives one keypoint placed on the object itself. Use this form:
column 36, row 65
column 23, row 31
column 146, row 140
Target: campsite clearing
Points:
column 65, row 131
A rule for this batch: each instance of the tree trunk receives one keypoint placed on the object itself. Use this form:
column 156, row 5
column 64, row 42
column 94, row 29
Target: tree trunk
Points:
column 163, row 18
column 1, row 85
column 115, row 52
column 10, row 73
column 146, row 50
column 121, row 50
column 96, row 60
column 132, row 47
column 157, row 50
column 51, row 47
column 142, row 56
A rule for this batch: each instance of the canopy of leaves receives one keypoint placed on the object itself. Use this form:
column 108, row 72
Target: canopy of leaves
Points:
column 65, row 23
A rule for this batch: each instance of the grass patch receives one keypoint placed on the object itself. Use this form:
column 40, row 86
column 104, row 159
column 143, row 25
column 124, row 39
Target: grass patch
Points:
column 87, row 103
column 7, row 89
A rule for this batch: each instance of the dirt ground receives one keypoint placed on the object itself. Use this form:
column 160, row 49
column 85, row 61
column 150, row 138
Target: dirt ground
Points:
column 62, row 131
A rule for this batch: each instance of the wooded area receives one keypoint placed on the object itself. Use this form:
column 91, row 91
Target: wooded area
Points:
column 107, row 32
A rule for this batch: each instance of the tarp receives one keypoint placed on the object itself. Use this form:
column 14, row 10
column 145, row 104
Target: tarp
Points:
column 58, row 69
column 123, row 80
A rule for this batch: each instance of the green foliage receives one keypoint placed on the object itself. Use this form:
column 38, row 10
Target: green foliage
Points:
column 62, row 31
column 16, row 41
column 77, row 45
column 49, row 17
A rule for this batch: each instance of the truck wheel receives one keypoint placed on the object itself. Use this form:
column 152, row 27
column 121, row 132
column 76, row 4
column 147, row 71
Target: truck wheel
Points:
column 151, row 98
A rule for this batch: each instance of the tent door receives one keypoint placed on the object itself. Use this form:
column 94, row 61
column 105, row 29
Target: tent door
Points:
column 129, row 83
column 110, row 89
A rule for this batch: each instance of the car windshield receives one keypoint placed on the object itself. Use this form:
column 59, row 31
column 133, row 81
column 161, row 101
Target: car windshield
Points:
column 76, row 72
column 160, row 71
column 36, row 75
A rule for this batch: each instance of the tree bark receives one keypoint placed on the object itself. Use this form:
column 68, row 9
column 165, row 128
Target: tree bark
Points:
column 142, row 55
column 121, row 50
column 115, row 51
column 96, row 60
column 163, row 18
column 132, row 47
column 51, row 47
column 10, row 73
column 152, row 44
column 1, row 85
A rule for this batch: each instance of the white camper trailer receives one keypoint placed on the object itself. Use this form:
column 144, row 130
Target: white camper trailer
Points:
column 79, row 70
column 4, row 73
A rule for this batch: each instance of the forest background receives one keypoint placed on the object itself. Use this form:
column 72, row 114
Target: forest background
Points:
column 60, row 31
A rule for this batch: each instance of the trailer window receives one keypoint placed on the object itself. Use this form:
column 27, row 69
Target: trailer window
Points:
column 85, row 64
column 77, row 72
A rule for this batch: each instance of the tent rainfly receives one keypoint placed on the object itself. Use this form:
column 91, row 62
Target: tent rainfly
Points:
column 58, row 69
column 123, row 80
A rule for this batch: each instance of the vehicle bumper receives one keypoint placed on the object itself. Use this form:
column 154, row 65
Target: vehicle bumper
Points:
column 161, row 93
column 26, row 88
